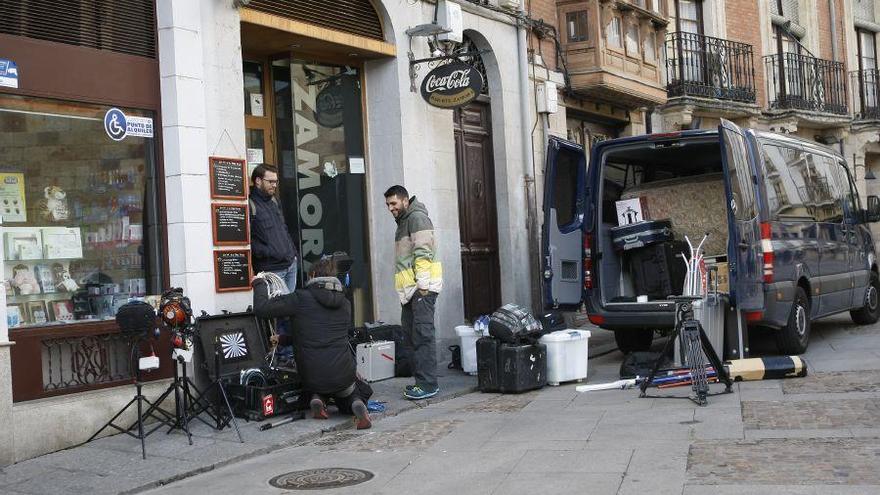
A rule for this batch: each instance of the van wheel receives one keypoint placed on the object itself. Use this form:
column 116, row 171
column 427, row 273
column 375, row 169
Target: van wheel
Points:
column 795, row 335
column 870, row 312
column 633, row 340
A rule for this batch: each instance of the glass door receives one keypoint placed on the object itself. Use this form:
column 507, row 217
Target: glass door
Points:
column 320, row 152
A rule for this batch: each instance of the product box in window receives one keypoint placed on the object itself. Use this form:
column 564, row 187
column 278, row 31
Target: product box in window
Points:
column 630, row 211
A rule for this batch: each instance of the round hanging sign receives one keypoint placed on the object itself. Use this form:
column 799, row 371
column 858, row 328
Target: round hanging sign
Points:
column 452, row 85
column 329, row 107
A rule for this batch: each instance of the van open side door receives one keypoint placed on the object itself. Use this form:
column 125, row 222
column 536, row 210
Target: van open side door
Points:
column 562, row 235
column 744, row 248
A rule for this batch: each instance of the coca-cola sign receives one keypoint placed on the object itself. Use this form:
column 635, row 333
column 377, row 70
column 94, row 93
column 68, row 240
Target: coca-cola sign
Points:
column 452, row 85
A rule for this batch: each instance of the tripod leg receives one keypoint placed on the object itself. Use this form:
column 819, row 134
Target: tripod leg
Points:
column 715, row 361
column 110, row 423
column 140, row 421
column 650, row 378
column 185, row 411
column 229, row 409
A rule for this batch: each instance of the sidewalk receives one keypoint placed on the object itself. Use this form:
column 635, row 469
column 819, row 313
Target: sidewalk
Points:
column 114, row 464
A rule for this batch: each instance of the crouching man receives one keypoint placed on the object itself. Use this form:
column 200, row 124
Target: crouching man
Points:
column 320, row 317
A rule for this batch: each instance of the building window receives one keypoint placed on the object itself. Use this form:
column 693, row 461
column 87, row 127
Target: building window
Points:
column 632, row 39
column 614, row 33
column 577, row 26
column 80, row 237
column 650, row 47
column 867, row 50
column 639, row 3
column 689, row 16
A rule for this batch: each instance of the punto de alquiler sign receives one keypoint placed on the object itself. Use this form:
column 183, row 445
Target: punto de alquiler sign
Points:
column 452, row 85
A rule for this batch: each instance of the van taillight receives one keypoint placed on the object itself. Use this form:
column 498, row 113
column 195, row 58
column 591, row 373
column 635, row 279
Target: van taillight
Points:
column 588, row 261
column 767, row 249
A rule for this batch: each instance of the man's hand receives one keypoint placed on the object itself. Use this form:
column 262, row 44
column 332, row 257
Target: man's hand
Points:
column 424, row 292
column 273, row 341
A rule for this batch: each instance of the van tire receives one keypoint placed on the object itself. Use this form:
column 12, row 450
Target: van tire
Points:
column 634, row 340
column 794, row 337
column 870, row 312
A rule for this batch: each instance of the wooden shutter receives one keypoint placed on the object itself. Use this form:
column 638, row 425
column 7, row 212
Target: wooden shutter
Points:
column 349, row 16
column 125, row 26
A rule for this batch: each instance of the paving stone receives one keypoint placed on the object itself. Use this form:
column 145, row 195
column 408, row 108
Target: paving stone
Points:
column 504, row 403
column 441, row 484
column 583, row 461
column 560, row 484
column 839, row 461
column 417, row 436
column 700, row 489
column 836, row 381
column 811, row 414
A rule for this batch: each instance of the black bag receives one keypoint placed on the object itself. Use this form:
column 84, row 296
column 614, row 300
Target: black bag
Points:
column 512, row 324
column 641, row 234
column 658, row 271
column 639, row 364
column 455, row 364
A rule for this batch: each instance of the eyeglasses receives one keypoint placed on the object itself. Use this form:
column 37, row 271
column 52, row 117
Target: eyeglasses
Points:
column 271, row 182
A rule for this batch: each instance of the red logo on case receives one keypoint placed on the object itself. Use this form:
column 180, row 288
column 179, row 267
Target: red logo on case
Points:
column 268, row 405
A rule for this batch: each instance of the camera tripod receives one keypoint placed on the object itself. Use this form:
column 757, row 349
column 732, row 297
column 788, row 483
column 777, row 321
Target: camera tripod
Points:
column 697, row 345
column 221, row 416
column 162, row 417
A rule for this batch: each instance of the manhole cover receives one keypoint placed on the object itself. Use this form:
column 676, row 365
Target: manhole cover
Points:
column 320, row 479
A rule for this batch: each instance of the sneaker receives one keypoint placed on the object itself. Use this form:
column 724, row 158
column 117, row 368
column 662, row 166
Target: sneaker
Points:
column 417, row 393
column 362, row 418
column 319, row 410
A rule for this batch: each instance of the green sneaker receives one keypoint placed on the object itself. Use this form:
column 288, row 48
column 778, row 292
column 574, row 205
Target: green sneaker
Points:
column 417, row 393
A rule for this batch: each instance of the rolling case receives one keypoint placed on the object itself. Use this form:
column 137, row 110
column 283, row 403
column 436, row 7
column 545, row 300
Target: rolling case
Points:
column 510, row 368
column 255, row 392
column 657, row 270
column 641, row 234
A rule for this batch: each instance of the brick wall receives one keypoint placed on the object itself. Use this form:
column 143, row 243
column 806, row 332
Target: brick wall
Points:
column 545, row 10
column 824, row 17
column 742, row 26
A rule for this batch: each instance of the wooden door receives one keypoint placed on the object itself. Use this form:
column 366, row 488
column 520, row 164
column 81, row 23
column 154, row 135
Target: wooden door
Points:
column 477, row 210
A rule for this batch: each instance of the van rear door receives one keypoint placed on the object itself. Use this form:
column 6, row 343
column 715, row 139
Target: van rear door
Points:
column 744, row 254
column 562, row 236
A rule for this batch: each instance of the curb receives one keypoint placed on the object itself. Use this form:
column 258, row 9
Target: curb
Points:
column 298, row 441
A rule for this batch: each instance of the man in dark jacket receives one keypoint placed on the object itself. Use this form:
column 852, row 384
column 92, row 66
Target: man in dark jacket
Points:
column 320, row 318
column 272, row 248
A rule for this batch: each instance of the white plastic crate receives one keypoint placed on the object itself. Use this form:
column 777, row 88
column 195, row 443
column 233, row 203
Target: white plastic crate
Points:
column 567, row 353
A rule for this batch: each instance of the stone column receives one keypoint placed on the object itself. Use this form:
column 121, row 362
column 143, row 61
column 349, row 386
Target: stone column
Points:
column 7, row 446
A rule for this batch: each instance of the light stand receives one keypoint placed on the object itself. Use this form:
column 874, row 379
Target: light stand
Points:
column 162, row 417
column 222, row 417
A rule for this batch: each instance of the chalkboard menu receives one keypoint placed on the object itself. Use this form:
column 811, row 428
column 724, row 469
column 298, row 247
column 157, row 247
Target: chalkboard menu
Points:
column 230, row 224
column 232, row 270
column 228, row 178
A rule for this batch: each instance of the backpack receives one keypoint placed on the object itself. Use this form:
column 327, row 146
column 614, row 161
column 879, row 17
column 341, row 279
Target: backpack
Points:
column 514, row 324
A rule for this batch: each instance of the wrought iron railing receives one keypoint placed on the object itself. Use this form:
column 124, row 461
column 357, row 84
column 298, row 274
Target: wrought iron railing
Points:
column 76, row 362
column 704, row 66
column 866, row 89
column 803, row 82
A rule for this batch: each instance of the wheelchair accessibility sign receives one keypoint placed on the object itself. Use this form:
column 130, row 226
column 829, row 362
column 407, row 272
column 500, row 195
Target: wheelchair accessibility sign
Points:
column 119, row 126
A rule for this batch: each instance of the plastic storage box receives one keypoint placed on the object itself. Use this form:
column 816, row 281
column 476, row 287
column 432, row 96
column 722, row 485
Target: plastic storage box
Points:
column 567, row 352
column 468, row 337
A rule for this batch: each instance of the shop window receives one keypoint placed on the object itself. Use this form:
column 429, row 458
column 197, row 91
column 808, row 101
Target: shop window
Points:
column 79, row 233
column 577, row 26
column 614, row 33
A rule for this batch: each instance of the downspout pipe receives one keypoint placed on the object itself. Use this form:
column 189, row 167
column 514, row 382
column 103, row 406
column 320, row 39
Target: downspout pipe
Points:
column 528, row 161
column 833, row 14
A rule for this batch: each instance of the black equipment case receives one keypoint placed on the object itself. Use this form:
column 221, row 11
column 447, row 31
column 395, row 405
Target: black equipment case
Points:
column 641, row 234
column 510, row 368
column 255, row 391
column 658, row 271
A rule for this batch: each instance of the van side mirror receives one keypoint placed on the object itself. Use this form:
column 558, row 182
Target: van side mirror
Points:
column 872, row 214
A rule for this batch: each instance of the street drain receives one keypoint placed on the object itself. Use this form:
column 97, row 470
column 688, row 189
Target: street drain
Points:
column 321, row 479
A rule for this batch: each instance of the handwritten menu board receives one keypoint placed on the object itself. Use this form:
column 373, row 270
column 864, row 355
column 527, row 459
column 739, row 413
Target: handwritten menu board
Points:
column 232, row 270
column 230, row 224
column 228, row 178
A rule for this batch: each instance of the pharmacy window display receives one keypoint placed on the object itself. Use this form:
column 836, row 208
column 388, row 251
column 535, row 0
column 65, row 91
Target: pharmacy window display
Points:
column 76, row 202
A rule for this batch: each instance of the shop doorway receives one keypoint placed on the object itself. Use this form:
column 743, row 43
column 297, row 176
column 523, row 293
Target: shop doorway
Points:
column 477, row 216
column 304, row 115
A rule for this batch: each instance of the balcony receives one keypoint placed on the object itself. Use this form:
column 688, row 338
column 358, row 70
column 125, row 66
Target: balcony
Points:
column 802, row 82
column 866, row 88
column 707, row 67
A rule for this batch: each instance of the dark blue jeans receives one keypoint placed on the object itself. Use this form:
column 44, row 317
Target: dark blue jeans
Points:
column 289, row 277
column 417, row 320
